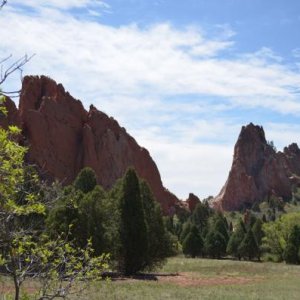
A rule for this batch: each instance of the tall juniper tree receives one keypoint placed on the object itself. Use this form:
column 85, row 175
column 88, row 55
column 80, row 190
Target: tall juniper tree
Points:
column 133, row 229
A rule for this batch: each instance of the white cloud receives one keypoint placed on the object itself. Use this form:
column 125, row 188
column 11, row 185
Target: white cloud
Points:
column 296, row 52
column 132, row 73
column 188, row 167
column 59, row 4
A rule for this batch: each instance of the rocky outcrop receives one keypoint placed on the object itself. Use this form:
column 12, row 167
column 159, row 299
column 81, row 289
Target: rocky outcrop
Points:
column 63, row 138
column 192, row 201
column 258, row 171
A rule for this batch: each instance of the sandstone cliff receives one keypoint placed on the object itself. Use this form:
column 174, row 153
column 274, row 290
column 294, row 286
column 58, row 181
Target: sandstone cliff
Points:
column 258, row 171
column 63, row 138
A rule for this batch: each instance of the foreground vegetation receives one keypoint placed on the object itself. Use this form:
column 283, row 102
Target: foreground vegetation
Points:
column 209, row 279
column 200, row 279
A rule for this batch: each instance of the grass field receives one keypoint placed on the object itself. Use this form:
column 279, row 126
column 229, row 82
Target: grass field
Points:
column 202, row 279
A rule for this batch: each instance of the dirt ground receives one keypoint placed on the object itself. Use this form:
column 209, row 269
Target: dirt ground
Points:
column 189, row 279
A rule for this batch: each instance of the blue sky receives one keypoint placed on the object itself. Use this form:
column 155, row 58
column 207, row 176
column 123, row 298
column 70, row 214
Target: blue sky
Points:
column 181, row 76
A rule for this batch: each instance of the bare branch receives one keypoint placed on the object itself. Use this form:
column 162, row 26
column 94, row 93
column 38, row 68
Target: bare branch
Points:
column 3, row 2
column 16, row 66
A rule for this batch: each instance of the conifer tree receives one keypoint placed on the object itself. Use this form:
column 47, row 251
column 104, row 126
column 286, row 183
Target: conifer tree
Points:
column 236, row 239
column 186, row 229
column 215, row 244
column 133, row 229
column 86, row 180
column 257, row 231
column 248, row 247
column 158, row 238
column 193, row 243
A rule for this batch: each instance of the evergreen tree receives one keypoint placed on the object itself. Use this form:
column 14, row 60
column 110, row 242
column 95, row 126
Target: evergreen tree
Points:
column 236, row 239
column 159, row 246
column 215, row 244
column 248, row 247
column 86, row 180
column 193, row 243
column 132, row 252
column 186, row 229
column 257, row 231
column 219, row 223
column 291, row 251
column 200, row 217
column 96, row 216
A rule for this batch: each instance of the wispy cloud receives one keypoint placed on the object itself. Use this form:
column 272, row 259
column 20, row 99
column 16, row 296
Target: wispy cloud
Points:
column 169, row 86
column 58, row 4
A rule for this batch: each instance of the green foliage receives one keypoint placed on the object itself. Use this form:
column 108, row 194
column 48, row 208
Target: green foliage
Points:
column 200, row 217
column 133, row 249
column 257, row 231
column 215, row 244
column 221, row 226
column 86, row 180
column 90, row 215
column 248, row 247
column 25, row 251
column 236, row 239
column 291, row 251
column 159, row 246
column 193, row 243
column 277, row 233
column 186, row 229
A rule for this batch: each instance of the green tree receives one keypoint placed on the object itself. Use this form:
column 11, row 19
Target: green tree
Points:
column 132, row 228
column 24, row 249
column 200, row 217
column 159, row 246
column 236, row 239
column 86, row 180
column 215, row 244
column 248, row 247
column 257, row 231
column 186, row 229
column 277, row 233
column 290, row 254
column 193, row 243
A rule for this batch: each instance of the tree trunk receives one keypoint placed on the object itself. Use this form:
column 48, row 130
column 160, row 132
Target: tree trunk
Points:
column 17, row 288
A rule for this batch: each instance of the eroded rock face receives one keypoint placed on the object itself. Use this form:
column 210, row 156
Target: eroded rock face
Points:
column 258, row 171
column 192, row 201
column 63, row 138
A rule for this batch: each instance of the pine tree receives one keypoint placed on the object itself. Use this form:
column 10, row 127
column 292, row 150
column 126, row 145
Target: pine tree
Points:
column 186, row 229
column 193, row 243
column 200, row 217
column 86, row 180
column 236, row 239
column 257, row 231
column 215, row 244
column 159, row 246
column 133, row 229
column 248, row 247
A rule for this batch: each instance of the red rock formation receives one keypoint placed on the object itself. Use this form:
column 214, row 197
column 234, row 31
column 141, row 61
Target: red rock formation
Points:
column 63, row 138
column 192, row 201
column 258, row 171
